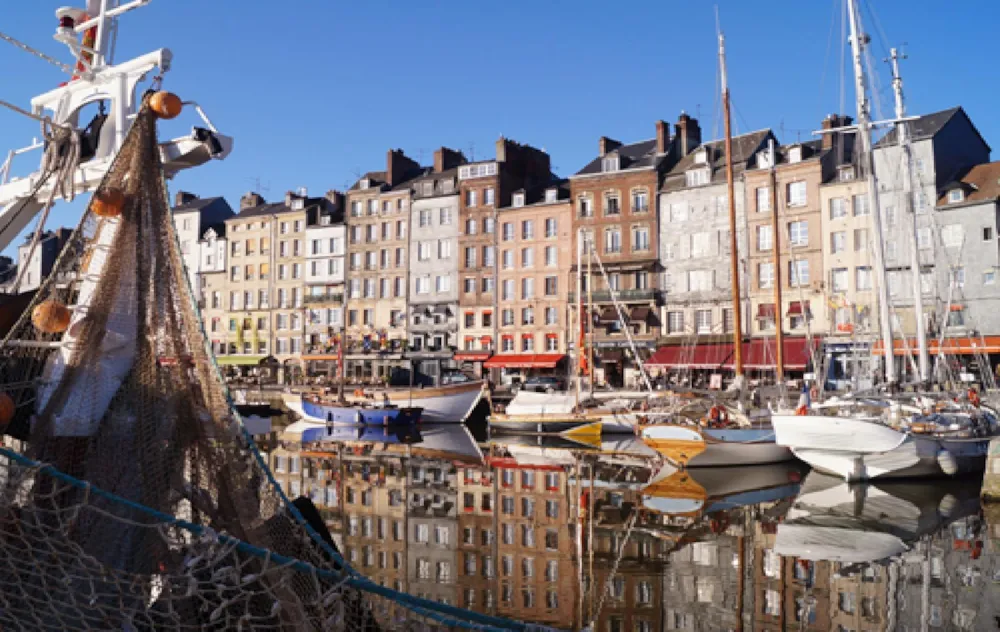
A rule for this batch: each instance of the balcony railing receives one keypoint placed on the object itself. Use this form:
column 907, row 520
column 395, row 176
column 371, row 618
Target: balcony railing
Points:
column 604, row 296
column 324, row 298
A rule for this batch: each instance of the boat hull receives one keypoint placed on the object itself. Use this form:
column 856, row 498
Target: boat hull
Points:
column 360, row 416
column 540, row 424
column 442, row 404
column 858, row 450
column 688, row 446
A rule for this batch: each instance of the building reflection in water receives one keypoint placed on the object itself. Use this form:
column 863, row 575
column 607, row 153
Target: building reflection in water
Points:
column 610, row 537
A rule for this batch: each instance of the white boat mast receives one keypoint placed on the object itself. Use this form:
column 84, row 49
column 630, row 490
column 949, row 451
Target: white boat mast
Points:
column 903, row 139
column 864, row 140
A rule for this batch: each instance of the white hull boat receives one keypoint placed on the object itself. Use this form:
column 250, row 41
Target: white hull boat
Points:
column 693, row 446
column 862, row 449
column 440, row 404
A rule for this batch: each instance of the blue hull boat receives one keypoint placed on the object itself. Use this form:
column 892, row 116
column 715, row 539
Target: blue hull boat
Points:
column 360, row 415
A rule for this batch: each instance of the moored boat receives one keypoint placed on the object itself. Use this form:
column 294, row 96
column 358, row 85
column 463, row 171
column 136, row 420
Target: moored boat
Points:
column 315, row 408
column 440, row 404
column 695, row 446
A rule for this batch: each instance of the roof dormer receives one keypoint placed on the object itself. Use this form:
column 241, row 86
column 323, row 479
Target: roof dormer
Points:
column 518, row 198
column 551, row 195
column 364, row 183
column 610, row 163
column 795, row 154
column 701, row 156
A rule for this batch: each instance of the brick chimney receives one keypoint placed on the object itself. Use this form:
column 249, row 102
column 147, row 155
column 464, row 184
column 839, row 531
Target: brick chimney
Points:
column 689, row 133
column 607, row 144
column 398, row 167
column 445, row 158
column 183, row 197
column 830, row 122
column 250, row 200
column 662, row 137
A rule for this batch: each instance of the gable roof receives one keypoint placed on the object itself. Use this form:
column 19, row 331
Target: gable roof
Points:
column 744, row 147
column 638, row 155
column 928, row 125
column 981, row 184
column 197, row 204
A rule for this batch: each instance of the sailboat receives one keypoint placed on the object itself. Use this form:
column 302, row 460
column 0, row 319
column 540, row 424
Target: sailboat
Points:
column 910, row 436
column 724, row 436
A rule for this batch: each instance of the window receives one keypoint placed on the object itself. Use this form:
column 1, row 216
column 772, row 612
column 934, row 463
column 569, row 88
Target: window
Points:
column 701, row 280
column 612, row 241
column 763, row 199
column 469, row 285
column 675, row 322
column 640, row 201
column 838, row 208
column 471, row 198
column 838, row 279
column 798, row 233
column 611, row 204
column 527, row 229
column 517, row 200
column 528, row 316
column 678, row 212
column 444, row 249
column 860, row 239
column 795, row 154
column 765, row 275
column 797, row 194
column 838, row 241
column 701, row 244
column 863, row 278
column 527, row 535
column 640, row 239
column 551, row 256
column 507, row 290
column 508, row 231
column 424, row 218
column 990, row 277
column 765, row 238
column 423, row 251
column 919, row 202
column 703, row 321
column 488, row 196
column 470, row 257
column 551, row 286
column 488, row 259
column 508, row 259
column 727, row 320
column 551, row 228
column 584, row 207
column 696, row 177
column 861, row 205
column 470, row 226
column 527, row 288
column 442, row 284
column 924, row 238
column 798, row 273
column 610, row 163
column 527, row 257
column 845, row 174
column 958, row 276
column 444, row 216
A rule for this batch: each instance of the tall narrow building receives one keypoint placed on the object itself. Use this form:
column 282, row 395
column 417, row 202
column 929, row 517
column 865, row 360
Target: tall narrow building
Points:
column 326, row 246
column 377, row 243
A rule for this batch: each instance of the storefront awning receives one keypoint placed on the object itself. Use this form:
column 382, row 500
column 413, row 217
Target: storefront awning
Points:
column 956, row 346
column 472, row 356
column 797, row 308
column 608, row 315
column 758, row 353
column 239, row 360
column 765, row 310
column 524, row 361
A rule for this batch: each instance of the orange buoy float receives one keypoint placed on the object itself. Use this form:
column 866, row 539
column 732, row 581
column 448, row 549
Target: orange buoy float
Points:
column 7, row 409
column 51, row 317
column 167, row 105
column 974, row 397
column 802, row 411
column 108, row 203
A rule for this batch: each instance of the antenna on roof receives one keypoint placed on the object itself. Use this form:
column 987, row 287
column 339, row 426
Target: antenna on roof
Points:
column 472, row 151
column 258, row 187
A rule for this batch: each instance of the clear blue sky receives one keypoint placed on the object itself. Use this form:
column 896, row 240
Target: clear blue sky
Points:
column 315, row 91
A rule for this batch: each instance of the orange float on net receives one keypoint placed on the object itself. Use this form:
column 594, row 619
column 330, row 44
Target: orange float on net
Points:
column 7, row 409
column 51, row 317
column 167, row 105
column 108, row 203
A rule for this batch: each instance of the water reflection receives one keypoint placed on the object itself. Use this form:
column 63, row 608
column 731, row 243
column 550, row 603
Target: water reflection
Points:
column 606, row 535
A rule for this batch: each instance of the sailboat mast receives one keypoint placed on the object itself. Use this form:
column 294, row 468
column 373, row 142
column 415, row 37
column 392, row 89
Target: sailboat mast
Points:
column 779, row 334
column 590, row 323
column 733, row 241
column 864, row 139
column 579, row 312
column 903, row 139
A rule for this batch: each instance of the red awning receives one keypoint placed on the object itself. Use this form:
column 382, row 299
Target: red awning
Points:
column 956, row 346
column 473, row 356
column 765, row 310
column 795, row 308
column 524, row 361
column 758, row 353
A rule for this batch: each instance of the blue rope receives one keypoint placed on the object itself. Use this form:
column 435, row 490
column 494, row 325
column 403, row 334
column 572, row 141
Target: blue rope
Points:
column 432, row 609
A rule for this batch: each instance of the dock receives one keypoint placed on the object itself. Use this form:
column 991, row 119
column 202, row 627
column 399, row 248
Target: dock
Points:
column 991, row 479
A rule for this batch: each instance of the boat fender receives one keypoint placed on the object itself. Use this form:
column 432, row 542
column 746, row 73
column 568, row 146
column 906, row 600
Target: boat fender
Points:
column 802, row 411
column 947, row 505
column 946, row 460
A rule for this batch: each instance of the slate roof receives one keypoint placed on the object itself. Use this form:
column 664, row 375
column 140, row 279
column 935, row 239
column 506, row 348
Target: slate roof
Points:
column 924, row 127
column 196, row 204
column 744, row 147
column 633, row 156
column 536, row 195
column 376, row 179
column 264, row 209
column 981, row 184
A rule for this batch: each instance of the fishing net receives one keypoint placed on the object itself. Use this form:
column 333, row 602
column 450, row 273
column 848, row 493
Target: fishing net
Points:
column 138, row 501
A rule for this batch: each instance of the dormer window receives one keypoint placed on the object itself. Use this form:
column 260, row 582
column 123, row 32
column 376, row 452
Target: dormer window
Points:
column 701, row 157
column 610, row 163
column 696, row 177
column 795, row 154
column 956, row 195
column 364, row 183
column 298, row 204
column 550, row 195
column 428, row 188
column 763, row 160
column 324, row 220
column 845, row 174
column 447, row 186
column 518, row 199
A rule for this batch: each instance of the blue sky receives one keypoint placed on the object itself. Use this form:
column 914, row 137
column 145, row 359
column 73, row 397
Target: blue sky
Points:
column 315, row 92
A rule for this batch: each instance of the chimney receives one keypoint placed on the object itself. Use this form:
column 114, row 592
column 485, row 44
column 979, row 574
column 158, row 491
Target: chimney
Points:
column 335, row 197
column 833, row 121
column 689, row 133
column 607, row 144
column 662, row 137
column 398, row 167
column 289, row 197
column 183, row 197
column 250, row 200
column 445, row 158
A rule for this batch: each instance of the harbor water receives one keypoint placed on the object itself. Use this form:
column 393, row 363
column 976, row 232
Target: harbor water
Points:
column 607, row 536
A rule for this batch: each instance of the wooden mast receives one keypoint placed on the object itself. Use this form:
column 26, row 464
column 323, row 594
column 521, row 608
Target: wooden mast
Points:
column 733, row 241
column 779, row 336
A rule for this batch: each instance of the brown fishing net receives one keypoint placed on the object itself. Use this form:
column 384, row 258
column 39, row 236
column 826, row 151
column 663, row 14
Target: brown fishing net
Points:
column 154, row 511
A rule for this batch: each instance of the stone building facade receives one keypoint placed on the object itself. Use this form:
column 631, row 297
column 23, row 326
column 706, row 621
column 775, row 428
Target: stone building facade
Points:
column 326, row 246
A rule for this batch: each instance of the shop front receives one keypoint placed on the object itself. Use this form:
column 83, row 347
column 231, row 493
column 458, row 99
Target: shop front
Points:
column 954, row 360
column 471, row 362
column 616, row 365
column 515, row 368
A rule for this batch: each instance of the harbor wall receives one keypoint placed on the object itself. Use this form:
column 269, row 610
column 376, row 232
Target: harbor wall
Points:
column 991, row 479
